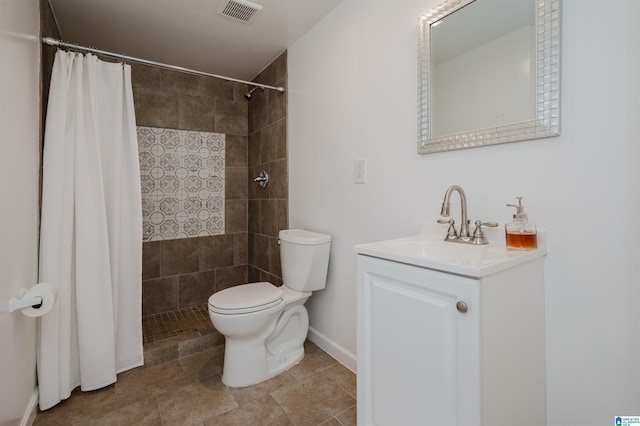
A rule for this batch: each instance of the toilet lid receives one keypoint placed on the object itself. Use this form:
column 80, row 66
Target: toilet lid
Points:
column 246, row 298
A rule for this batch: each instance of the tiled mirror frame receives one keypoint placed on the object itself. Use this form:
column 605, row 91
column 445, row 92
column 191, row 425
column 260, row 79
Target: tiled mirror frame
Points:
column 546, row 122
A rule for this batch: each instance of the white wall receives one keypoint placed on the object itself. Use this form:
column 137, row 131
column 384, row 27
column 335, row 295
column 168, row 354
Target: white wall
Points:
column 352, row 94
column 19, row 171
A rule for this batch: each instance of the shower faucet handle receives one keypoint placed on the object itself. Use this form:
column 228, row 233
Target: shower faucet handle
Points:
column 263, row 179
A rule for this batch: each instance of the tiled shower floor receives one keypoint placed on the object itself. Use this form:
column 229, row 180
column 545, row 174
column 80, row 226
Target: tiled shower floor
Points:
column 165, row 325
column 180, row 384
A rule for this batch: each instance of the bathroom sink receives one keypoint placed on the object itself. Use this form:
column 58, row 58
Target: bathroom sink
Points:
column 429, row 250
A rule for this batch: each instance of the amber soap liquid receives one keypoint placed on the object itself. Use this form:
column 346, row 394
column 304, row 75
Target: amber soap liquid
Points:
column 522, row 240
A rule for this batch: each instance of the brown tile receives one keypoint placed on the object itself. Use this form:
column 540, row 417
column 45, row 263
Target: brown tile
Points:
column 236, row 180
column 236, row 151
column 139, row 413
column 143, row 383
column 348, row 417
column 79, row 405
column 196, row 113
column 331, row 422
column 260, row 251
column 203, row 364
column 314, row 361
column 269, row 141
column 159, row 295
column 254, row 149
column 179, row 256
column 156, row 109
column 160, row 354
column 239, row 90
column 150, row 259
column 176, row 326
column 343, row 377
column 312, row 400
column 231, row 117
column 255, row 216
column 217, row 88
column 201, row 342
column 279, row 179
column 146, row 78
column 240, row 252
column 180, row 83
column 269, row 217
column 277, row 106
column 216, row 251
column 195, row 288
column 253, row 275
column 195, row 402
column 229, row 277
column 250, row 393
column 236, row 216
column 283, row 214
column 263, row 411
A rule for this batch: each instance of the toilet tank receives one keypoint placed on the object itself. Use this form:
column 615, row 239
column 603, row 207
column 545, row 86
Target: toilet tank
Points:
column 304, row 256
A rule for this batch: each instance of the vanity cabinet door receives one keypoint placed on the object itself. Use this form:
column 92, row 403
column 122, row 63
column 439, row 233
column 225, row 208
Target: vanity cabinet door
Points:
column 418, row 354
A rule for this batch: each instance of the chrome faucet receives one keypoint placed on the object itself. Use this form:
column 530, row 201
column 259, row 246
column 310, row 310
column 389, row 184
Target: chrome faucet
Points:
column 446, row 209
column 478, row 237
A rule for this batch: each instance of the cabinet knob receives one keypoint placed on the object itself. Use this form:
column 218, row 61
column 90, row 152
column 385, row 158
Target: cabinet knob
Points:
column 462, row 307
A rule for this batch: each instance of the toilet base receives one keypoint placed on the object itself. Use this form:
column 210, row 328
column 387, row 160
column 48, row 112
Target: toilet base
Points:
column 249, row 361
column 247, row 365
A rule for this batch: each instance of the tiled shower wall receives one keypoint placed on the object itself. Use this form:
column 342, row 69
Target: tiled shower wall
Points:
column 185, row 272
column 182, row 183
column 268, row 207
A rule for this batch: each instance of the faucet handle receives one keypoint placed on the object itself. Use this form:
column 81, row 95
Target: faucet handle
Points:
column 478, row 235
column 451, row 232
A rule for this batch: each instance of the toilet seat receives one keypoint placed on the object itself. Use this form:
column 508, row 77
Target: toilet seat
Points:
column 245, row 298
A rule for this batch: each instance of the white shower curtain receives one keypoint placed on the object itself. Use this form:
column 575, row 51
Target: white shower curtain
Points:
column 91, row 229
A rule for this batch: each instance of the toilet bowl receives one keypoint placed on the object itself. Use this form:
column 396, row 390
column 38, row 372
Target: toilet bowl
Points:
column 265, row 326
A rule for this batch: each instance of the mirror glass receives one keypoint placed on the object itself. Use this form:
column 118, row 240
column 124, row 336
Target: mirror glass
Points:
column 488, row 73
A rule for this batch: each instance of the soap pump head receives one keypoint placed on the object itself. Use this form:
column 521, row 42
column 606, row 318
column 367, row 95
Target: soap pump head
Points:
column 520, row 214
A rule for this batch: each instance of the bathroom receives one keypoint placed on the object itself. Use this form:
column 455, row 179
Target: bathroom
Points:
column 351, row 92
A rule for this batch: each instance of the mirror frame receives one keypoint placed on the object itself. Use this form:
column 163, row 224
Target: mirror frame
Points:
column 546, row 120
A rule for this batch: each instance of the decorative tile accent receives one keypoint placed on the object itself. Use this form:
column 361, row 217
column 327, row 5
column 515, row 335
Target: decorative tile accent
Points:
column 183, row 183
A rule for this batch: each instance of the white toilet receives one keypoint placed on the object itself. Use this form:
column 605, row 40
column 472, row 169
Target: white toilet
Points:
column 265, row 326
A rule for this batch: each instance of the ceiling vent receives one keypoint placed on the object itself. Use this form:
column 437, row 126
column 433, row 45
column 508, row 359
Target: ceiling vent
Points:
column 240, row 10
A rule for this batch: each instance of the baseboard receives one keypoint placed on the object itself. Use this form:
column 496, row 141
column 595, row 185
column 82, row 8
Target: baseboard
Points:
column 341, row 355
column 30, row 413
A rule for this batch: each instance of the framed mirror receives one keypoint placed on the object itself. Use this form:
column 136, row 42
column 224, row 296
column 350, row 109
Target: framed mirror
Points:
column 488, row 73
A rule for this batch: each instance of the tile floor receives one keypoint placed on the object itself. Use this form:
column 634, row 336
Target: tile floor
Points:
column 187, row 389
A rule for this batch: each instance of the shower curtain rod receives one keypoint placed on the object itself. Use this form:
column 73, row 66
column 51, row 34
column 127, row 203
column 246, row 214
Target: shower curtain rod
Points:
column 58, row 43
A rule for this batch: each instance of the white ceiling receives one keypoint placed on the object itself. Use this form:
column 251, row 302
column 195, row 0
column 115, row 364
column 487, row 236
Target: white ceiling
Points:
column 190, row 33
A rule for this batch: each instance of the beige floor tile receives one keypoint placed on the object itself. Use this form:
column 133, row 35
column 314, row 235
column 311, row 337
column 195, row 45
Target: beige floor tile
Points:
column 77, row 406
column 331, row 422
column 195, row 402
column 142, row 413
column 314, row 360
column 312, row 400
column 203, row 364
column 249, row 393
column 348, row 417
column 263, row 411
column 147, row 382
column 343, row 377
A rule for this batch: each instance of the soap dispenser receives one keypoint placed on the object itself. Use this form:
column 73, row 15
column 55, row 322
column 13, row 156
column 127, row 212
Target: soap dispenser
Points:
column 521, row 234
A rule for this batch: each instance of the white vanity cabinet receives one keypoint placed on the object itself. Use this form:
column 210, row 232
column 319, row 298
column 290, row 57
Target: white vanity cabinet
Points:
column 436, row 348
